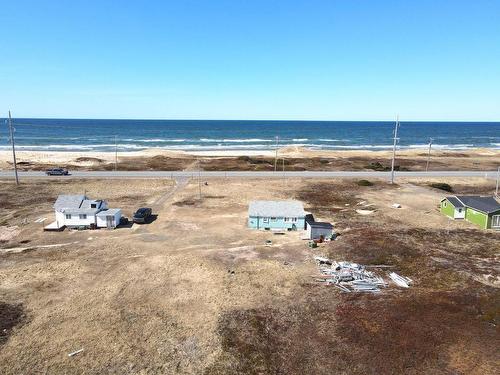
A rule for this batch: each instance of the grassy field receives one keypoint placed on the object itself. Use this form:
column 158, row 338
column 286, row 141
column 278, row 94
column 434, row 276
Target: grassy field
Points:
column 196, row 292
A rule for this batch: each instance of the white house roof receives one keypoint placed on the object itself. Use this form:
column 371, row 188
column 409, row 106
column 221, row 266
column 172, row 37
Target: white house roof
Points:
column 110, row 211
column 288, row 208
column 65, row 201
column 87, row 203
column 80, row 211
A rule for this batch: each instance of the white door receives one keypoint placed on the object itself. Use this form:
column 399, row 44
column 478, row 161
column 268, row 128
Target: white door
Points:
column 495, row 221
column 460, row 213
column 110, row 221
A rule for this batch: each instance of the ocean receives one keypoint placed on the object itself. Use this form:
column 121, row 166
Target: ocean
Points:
column 210, row 135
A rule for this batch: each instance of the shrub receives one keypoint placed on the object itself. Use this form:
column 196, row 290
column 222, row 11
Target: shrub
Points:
column 377, row 166
column 364, row 183
column 442, row 186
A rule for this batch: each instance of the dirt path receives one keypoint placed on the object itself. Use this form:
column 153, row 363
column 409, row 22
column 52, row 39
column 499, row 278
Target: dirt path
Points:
column 180, row 183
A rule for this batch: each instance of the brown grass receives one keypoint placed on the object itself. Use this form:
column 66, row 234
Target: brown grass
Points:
column 160, row 299
column 25, row 195
column 294, row 338
column 449, row 161
column 11, row 315
column 320, row 332
column 414, row 333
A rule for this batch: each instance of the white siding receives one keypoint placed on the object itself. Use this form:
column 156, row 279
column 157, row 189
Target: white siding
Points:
column 75, row 220
column 101, row 221
column 318, row 232
column 60, row 219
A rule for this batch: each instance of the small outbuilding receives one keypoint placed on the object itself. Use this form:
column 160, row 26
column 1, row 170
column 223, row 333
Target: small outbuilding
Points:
column 276, row 215
column 317, row 229
column 481, row 211
column 109, row 218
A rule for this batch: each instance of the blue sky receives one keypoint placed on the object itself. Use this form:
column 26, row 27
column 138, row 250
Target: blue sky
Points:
column 255, row 59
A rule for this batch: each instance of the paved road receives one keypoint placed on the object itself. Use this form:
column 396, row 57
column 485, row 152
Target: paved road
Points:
column 248, row 174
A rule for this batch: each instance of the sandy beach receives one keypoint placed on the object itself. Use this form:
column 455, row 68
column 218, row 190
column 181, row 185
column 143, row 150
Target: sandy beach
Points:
column 295, row 158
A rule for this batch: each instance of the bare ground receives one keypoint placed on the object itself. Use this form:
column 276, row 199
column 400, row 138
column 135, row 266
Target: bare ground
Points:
column 196, row 292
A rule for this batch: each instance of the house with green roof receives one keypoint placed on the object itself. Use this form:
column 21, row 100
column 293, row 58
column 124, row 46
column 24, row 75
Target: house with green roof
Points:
column 481, row 211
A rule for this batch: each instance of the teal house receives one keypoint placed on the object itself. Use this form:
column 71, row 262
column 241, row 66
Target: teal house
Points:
column 481, row 211
column 276, row 215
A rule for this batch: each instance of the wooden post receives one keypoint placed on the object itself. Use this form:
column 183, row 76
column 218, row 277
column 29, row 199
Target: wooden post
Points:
column 394, row 148
column 11, row 131
column 428, row 155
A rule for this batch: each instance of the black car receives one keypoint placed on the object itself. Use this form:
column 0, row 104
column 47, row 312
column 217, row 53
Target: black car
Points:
column 142, row 215
column 57, row 172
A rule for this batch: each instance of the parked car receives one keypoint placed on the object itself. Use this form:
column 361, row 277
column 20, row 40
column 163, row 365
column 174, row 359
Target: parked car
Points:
column 57, row 172
column 142, row 215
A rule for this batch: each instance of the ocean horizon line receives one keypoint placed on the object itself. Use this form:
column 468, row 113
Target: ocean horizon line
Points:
column 401, row 120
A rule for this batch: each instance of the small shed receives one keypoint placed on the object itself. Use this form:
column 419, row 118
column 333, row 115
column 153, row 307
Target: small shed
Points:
column 109, row 218
column 317, row 229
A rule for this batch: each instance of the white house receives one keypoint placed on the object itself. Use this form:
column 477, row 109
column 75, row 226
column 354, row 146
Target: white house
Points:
column 76, row 211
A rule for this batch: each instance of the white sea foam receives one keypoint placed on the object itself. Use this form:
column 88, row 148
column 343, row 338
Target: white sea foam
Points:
column 220, row 146
column 152, row 140
column 444, row 147
column 235, row 140
column 354, row 147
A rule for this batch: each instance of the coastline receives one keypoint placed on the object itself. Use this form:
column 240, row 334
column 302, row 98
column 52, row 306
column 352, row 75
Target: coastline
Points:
column 296, row 157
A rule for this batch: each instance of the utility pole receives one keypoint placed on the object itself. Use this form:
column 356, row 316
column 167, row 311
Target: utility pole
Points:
column 284, row 179
column 276, row 155
column 428, row 155
column 116, row 154
column 199, row 177
column 498, row 179
column 394, row 148
column 13, row 148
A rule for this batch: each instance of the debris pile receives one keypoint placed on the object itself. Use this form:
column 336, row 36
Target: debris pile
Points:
column 403, row 282
column 353, row 277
